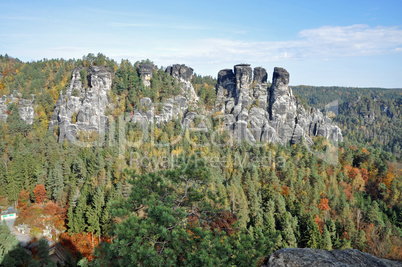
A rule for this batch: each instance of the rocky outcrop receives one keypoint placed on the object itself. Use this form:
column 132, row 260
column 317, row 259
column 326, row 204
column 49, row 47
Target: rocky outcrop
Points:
column 146, row 71
column 83, row 104
column 173, row 108
column 25, row 107
column 257, row 113
column 260, row 87
column 184, row 75
column 249, row 108
column 306, row 257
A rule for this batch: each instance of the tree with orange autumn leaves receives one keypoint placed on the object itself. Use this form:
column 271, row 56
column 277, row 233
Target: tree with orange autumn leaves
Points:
column 40, row 193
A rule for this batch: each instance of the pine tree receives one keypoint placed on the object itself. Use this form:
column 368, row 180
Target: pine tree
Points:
column 43, row 252
column 288, row 233
column 254, row 200
column 309, row 232
column 269, row 218
column 105, row 220
column 55, row 183
column 326, row 239
column 8, row 241
column 330, row 224
column 94, row 212
column 374, row 215
column 361, row 240
column 78, row 222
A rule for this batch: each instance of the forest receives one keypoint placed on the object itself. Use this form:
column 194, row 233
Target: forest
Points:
column 192, row 201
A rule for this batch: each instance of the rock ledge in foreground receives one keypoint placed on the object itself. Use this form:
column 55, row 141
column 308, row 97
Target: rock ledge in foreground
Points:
column 300, row 257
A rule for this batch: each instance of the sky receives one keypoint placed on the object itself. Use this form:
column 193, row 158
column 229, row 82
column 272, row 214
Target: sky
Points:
column 355, row 43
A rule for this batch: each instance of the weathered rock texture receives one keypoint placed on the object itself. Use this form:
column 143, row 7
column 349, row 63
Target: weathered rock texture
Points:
column 306, row 257
column 258, row 113
column 184, row 74
column 25, row 107
column 82, row 107
column 250, row 109
column 173, row 108
column 146, row 71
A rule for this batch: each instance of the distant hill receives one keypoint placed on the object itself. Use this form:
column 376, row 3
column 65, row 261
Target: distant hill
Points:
column 366, row 115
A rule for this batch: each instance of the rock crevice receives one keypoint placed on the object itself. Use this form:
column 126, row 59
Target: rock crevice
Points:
column 268, row 114
column 250, row 108
column 83, row 104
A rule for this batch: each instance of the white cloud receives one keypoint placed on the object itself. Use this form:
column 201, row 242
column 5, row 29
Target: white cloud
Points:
column 321, row 43
column 355, row 40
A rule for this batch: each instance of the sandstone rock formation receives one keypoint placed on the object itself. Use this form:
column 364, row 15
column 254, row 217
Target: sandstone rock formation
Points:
column 146, row 71
column 307, row 257
column 25, row 107
column 250, row 110
column 175, row 107
column 184, row 74
column 258, row 113
column 82, row 106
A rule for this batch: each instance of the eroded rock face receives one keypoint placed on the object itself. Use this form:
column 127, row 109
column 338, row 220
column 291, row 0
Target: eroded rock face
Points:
column 184, row 74
column 146, row 71
column 25, row 107
column 172, row 109
column 268, row 114
column 260, row 86
column 226, row 88
column 306, row 257
column 82, row 107
column 250, row 110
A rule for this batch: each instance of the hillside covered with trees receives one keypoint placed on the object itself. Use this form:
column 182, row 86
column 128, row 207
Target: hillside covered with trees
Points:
column 369, row 116
column 175, row 198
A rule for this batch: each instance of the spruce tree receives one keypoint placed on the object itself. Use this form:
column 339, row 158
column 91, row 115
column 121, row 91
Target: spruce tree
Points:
column 94, row 212
column 309, row 232
column 326, row 239
column 8, row 241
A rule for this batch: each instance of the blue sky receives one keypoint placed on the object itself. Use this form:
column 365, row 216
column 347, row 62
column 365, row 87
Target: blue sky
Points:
column 343, row 43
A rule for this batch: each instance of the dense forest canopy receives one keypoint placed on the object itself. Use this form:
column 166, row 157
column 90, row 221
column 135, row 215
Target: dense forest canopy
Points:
column 369, row 116
column 192, row 202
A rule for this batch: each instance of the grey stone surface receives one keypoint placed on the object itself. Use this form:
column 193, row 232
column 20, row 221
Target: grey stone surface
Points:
column 243, row 75
column 250, row 109
column 271, row 114
column 184, row 75
column 146, row 71
column 25, row 107
column 82, row 108
column 306, row 257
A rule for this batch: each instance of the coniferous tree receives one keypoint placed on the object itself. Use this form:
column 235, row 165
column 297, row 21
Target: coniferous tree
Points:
column 326, row 239
column 43, row 252
column 78, row 222
column 8, row 241
column 309, row 232
column 94, row 212
column 55, row 183
column 288, row 233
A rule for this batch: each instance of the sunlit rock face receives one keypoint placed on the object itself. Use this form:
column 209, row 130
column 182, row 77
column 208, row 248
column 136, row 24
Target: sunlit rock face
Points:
column 184, row 75
column 256, row 112
column 83, row 104
column 146, row 71
column 251, row 109
column 25, row 107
